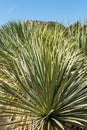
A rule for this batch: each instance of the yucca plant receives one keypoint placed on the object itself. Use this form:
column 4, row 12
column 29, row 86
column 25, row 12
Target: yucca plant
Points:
column 42, row 79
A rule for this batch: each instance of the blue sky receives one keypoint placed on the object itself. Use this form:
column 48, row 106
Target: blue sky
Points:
column 64, row 11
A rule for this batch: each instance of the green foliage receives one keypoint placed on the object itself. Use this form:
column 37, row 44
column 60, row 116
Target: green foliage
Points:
column 79, row 31
column 42, row 78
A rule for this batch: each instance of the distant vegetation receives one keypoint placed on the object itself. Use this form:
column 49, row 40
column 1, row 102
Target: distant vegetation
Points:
column 43, row 76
